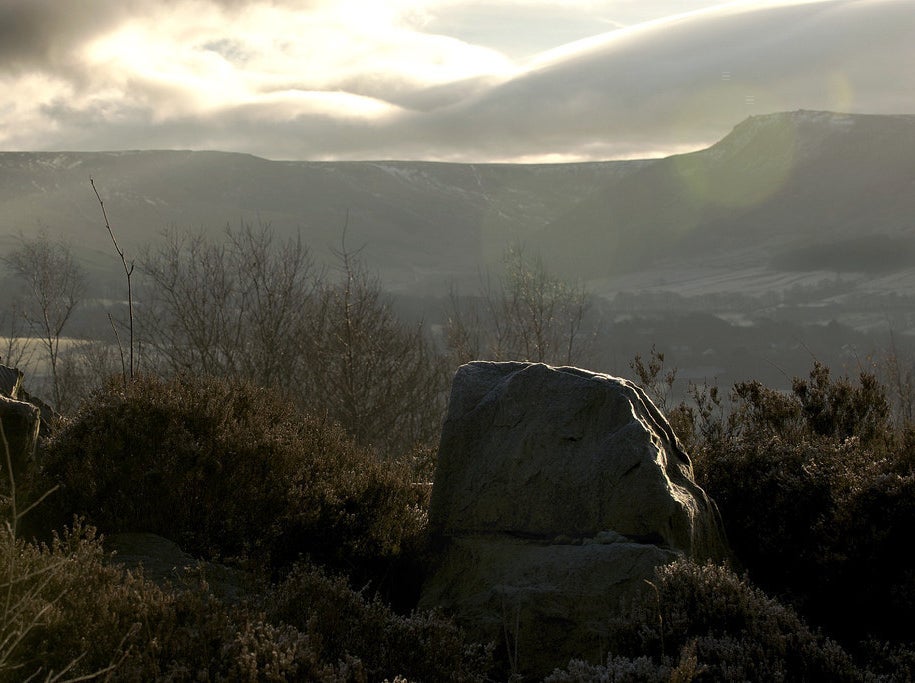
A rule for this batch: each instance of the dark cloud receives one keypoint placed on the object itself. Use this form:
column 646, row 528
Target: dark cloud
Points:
column 44, row 33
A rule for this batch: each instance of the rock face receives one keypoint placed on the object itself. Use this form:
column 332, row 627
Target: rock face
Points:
column 557, row 492
column 24, row 418
column 20, row 422
column 11, row 387
column 10, row 381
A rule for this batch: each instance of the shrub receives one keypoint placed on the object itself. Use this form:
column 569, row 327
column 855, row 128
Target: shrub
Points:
column 815, row 490
column 819, row 406
column 422, row 646
column 703, row 621
column 871, row 591
column 70, row 609
column 35, row 582
column 841, row 409
column 616, row 670
column 777, row 500
column 229, row 471
column 90, row 616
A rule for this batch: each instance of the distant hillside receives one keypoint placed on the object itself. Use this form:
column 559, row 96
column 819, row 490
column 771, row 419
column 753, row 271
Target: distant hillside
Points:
column 422, row 224
column 781, row 194
column 779, row 191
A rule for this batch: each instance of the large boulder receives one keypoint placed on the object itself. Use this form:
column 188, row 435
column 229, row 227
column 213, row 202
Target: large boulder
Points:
column 557, row 493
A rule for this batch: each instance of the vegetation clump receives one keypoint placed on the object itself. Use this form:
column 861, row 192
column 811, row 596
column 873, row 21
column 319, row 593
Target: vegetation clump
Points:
column 233, row 473
column 703, row 622
column 77, row 614
column 422, row 646
column 230, row 471
column 815, row 488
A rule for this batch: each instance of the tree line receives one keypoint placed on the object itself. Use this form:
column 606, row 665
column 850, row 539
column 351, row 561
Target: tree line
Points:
column 253, row 307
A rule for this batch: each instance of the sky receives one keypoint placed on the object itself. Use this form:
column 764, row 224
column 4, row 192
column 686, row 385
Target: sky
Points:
column 442, row 80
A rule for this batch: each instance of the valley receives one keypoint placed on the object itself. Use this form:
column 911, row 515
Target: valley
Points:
column 791, row 239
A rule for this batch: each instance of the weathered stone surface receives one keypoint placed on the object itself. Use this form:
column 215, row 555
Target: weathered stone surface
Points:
column 11, row 387
column 10, row 381
column 557, row 492
column 20, row 427
column 49, row 416
column 552, row 602
column 539, row 451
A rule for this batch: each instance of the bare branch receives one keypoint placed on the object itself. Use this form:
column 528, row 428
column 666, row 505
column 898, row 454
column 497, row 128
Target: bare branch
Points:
column 128, row 272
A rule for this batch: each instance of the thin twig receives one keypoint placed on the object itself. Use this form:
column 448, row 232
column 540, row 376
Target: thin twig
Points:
column 128, row 271
column 117, row 336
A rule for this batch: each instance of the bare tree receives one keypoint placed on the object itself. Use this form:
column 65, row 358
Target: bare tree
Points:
column 528, row 315
column 898, row 374
column 238, row 307
column 467, row 336
column 375, row 375
column 251, row 308
column 54, row 283
column 87, row 364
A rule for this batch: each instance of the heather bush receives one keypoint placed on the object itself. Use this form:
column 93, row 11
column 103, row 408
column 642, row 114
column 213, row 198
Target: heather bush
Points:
column 817, row 406
column 421, row 646
column 616, row 670
column 35, row 584
column 71, row 609
column 703, row 622
column 92, row 617
column 815, row 488
column 778, row 499
column 229, row 471
column 871, row 591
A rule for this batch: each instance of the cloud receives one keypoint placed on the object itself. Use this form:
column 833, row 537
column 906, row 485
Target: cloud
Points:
column 522, row 28
column 684, row 83
column 43, row 33
column 366, row 79
column 688, row 81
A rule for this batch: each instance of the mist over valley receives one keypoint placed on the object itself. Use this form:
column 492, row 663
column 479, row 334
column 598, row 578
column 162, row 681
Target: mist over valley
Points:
column 789, row 240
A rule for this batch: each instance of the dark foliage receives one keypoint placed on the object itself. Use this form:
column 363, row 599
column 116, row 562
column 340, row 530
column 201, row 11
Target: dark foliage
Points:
column 816, row 492
column 82, row 614
column 421, row 647
column 815, row 487
column 704, row 623
column 229, row 471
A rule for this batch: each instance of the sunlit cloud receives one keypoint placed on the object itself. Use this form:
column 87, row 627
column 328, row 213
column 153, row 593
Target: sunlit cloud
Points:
column 438, row 79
